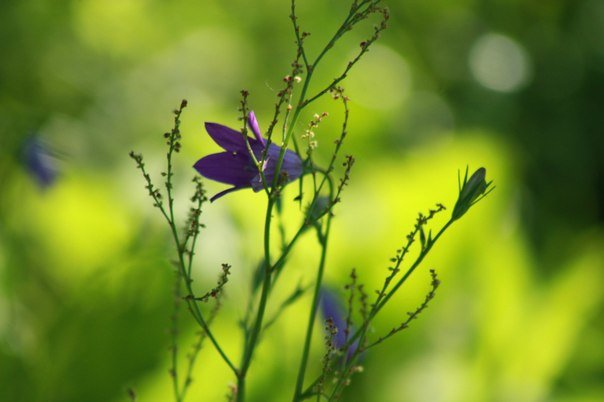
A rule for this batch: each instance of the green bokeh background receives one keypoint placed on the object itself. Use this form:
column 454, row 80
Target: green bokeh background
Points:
column 515, row 86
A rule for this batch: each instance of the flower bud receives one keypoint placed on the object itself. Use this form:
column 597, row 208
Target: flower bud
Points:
column 318, row 209
column 471, row 191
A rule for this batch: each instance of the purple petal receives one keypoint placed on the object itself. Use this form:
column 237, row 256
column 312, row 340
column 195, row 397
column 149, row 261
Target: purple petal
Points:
column 39, row 162
column 257, row 149
column 253, row 122
column 226, row 167
column 229, row 139
column 292, row 166
column 224, row 192
column 332, row 308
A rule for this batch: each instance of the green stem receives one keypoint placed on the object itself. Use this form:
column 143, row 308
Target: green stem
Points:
column 315, row 302
column 174, row 373
column 313, row 313
column 180, row 248
column 421, row 257
column 362, row 331
column 250, row 344
column 277, row 265
column 192, row 304
column 302, row 102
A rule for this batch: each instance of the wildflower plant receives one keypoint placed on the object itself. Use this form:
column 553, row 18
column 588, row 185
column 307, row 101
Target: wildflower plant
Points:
column 267, row 162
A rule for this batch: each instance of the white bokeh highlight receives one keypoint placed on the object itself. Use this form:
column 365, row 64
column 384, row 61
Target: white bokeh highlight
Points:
column 499, row 63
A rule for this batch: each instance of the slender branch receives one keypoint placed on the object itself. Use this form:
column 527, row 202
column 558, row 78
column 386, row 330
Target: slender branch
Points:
column 313, row 310
column 364, row 49
column 194, row 308
column 250, row 344
column 197, row 348
column 435, row 283
column 174, row 336
column 422, row 220
column 173, row 142
column 299, row 35
column 361, row 332
column 259, row 164
column 291, row 299
column 312, row 315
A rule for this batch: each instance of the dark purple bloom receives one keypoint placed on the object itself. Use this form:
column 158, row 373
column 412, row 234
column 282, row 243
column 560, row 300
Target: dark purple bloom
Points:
column 39, row 161
column 332, row 309
column 236, row 165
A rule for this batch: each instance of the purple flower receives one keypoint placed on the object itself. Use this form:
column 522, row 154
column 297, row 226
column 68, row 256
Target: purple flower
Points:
column 332, row 309
column 236, row 165
column 39, row 161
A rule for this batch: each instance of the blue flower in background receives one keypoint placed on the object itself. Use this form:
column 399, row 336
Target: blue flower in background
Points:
column 39, row 161
column 332, row 308
column 236, row 165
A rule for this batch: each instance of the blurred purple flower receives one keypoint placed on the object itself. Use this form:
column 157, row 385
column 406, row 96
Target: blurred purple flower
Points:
column 39, row 162
column 332, row 308
column 236, row 166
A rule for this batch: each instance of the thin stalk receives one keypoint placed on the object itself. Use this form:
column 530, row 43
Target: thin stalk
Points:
column 313, row 313
column 302, row 102
column 315, row 302
column 421, row 257
column 286, row 250
column 362, row 331
column 174, row 330
column 250, row 344
column 194, row 308
column 180, row 247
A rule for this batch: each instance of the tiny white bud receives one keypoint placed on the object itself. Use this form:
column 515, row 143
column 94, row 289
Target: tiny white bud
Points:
column 298, row 79
column 358, row 369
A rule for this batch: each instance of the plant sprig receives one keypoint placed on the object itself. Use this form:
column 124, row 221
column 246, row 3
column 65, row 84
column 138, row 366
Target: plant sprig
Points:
column 342, row 361
column 471, row 191
column 184, row 261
